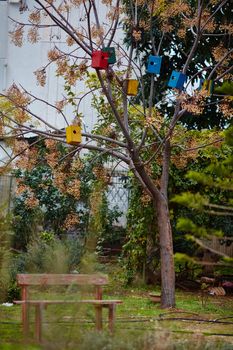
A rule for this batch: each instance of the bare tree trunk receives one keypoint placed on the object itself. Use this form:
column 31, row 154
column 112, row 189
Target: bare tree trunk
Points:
column 166, row 254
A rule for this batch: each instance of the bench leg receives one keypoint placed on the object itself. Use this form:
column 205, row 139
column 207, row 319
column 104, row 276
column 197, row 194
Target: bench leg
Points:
column 38, row 322
column 111, row 317
column 25, row 319
column 98, row 317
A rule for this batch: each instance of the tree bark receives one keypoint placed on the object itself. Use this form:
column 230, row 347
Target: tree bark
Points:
column 160, row 201
column 166, row 253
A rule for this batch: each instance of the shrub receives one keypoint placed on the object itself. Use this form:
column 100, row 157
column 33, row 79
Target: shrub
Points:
column 48, row 254
column 4, row 253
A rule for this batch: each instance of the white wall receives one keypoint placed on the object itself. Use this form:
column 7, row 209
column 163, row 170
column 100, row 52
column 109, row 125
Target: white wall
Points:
column 3, row 43
column 17, row 65
column 23, row 61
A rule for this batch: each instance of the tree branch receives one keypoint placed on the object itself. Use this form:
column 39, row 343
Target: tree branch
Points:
column 218, row 64
column 83, row 45
column 115, row 25
column 213, row 14
column 196, row 41
column 103, row 138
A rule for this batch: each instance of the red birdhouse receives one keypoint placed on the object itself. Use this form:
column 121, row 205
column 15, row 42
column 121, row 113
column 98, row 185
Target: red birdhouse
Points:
column 99, row 59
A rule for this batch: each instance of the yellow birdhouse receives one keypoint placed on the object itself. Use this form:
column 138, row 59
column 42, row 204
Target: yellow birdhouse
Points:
column 132, row 87
column 73, row 134
column 208, row 85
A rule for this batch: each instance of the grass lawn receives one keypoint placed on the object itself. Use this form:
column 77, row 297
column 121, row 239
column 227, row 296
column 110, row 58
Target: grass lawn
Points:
column 188, row 325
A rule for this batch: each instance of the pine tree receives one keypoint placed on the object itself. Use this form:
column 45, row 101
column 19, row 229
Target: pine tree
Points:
column 216, row 198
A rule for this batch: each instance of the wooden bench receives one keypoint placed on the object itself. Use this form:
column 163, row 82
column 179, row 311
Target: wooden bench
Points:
column 44, row 280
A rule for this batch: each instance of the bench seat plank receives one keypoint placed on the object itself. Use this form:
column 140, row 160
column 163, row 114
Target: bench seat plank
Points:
column 47, row 302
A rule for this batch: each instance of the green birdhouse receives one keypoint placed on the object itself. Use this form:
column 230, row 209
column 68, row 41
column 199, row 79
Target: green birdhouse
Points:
column 112, row 54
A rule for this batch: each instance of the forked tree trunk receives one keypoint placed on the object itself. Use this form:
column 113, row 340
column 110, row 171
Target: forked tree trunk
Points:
column 166, row 254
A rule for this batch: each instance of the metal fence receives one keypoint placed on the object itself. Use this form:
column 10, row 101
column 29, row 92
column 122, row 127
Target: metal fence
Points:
column 118, row 195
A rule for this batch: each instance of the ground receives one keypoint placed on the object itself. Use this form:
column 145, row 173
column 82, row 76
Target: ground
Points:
column 192, row 325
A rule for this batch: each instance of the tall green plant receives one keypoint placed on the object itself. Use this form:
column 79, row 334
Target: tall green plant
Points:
column 139, row 251
column 48, row 254
column 5, row 238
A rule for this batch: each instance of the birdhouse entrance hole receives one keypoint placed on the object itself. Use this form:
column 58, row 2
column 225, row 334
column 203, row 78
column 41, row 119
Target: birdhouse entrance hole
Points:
column 73, row 134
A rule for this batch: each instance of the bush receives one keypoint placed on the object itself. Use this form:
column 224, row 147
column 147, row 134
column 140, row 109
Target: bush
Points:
column 48, row 254
column 4, row 253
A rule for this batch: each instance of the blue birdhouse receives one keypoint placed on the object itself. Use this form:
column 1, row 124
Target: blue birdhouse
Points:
column 154, row 64
column 201, row 81
column 177, row 80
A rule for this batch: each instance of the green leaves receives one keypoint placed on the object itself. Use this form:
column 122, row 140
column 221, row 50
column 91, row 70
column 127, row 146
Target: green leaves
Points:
column 191, row 200
column 213, row 196
column 183, row 258
column 188, row 226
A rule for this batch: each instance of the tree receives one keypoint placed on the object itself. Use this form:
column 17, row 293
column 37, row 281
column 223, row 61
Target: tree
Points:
column 176, row 44
column 136, row 132
column 141, row 248
column 217, row 202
